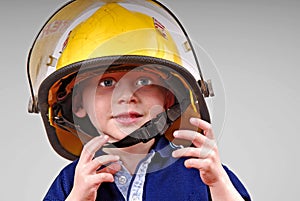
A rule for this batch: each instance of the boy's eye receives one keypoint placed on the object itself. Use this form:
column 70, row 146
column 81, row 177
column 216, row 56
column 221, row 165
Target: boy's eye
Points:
column 144, row 81
column 107, row 82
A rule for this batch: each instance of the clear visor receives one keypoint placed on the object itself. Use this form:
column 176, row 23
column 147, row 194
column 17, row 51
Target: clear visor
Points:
column 47, row 48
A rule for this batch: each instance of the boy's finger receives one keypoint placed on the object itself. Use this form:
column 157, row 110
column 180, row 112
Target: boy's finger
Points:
column 196, row 138
column 112, row 168
column 89, row 149
column 204, row 125
column 102, row 161
column 103, row 177
column 201, row 153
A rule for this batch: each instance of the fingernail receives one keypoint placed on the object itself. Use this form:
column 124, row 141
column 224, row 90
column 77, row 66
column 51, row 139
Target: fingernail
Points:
column 193, row 120
column 175, row 133
column 175, row 154
column 116, row 158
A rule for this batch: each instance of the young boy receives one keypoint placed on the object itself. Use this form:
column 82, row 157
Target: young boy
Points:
column 122, row 99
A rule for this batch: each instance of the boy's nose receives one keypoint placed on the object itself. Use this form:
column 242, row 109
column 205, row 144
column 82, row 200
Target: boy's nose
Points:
column 125, row 93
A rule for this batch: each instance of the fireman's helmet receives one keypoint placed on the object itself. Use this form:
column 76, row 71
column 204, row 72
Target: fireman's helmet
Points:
column 88, row 38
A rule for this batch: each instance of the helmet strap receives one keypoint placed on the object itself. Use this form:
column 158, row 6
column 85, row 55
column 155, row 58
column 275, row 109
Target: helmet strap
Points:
column 154, row 128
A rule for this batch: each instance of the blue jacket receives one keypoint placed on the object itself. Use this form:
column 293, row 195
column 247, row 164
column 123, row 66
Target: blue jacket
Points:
column 167, row 179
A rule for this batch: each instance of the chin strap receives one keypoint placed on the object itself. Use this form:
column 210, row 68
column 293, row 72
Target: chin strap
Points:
column 151, row 129
column 145, row 133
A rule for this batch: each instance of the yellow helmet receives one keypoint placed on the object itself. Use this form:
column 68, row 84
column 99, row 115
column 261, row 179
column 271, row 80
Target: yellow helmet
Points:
column 104, row 34
column 85, row 38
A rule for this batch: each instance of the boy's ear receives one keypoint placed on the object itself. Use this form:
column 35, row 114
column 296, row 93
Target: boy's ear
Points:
column 77, row 108
column 170, row 99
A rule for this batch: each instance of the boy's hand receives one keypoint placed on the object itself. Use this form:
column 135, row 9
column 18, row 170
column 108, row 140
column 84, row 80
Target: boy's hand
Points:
column 204, row 156
column 88, row 177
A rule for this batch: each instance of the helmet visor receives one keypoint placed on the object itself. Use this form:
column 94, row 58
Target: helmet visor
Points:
column 161, row 47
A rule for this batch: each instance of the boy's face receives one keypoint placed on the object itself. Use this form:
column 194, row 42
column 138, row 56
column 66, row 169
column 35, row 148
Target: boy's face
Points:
column 119, row 103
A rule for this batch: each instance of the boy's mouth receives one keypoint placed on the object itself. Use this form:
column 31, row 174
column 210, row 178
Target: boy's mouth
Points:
column 127, row 118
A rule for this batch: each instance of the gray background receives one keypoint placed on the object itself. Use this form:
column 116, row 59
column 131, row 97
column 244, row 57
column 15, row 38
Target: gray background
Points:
column 255, row 45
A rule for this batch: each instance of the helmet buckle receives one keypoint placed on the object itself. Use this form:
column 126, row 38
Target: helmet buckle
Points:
column 32, row 105
column 206, row 88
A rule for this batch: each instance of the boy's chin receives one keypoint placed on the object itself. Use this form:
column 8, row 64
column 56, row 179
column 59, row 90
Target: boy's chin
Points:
column 117, row 137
